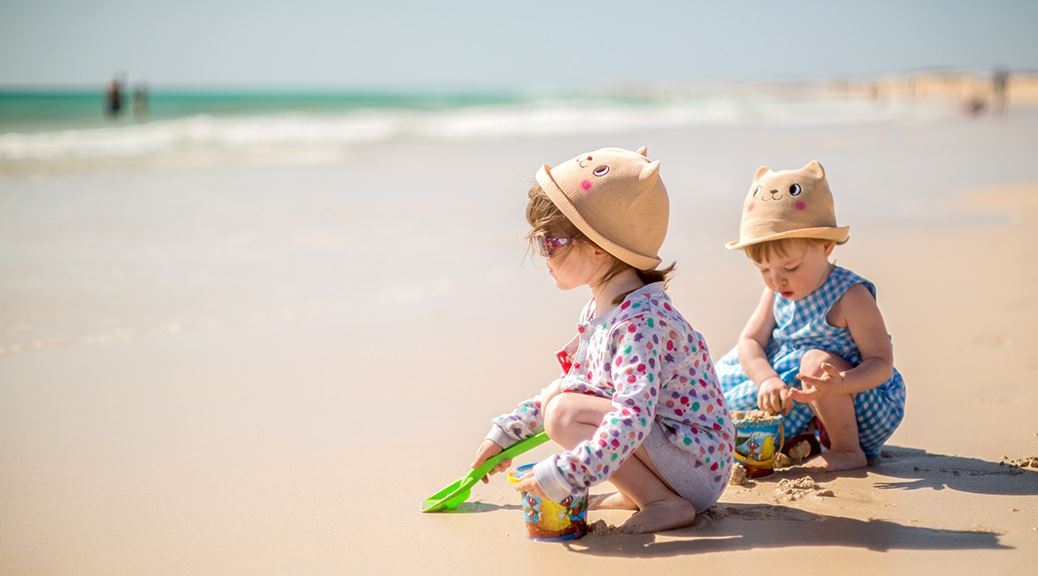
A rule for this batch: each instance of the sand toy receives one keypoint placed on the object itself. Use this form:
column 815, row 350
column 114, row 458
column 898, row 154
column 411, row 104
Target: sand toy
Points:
column 758, row 440
column 550, row 521
column 457, row 492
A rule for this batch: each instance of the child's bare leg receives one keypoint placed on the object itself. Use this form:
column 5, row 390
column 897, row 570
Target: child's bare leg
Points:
column 837, row 415
column 611, row 501
column 572, row 418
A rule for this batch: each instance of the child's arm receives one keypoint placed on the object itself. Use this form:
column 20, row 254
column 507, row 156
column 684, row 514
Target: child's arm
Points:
column 859, row 311
column 752, row 343
column 637, row 350
column 507, row 429
column 525, row 421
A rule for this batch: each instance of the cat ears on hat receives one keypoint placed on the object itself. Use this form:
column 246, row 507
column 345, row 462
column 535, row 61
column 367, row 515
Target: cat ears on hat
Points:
column 649, row 172
column 813, row 168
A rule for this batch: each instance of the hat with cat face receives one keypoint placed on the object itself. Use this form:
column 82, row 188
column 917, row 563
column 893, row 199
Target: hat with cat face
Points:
column 616, row 198
column 789, row 204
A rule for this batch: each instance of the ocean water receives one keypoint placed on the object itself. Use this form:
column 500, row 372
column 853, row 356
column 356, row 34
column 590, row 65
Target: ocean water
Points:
column 57, row 126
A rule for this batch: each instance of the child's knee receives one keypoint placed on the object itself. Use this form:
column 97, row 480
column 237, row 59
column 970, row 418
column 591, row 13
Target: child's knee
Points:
column 558, row 414
column 812, row 360
column 550, row 392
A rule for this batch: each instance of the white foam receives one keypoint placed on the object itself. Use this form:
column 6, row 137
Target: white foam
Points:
column 544, row 117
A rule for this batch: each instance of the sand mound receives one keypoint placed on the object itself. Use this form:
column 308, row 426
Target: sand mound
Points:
column 1025, row 462
column 791, row 490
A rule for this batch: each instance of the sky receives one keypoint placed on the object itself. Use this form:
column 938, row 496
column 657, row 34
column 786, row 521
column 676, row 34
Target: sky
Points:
column 501, row 44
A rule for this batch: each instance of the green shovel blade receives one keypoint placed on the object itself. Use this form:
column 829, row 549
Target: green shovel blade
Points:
column 453, row 494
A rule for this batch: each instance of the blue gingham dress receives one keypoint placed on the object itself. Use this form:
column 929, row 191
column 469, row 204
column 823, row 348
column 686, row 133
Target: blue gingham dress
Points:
column 800, row 325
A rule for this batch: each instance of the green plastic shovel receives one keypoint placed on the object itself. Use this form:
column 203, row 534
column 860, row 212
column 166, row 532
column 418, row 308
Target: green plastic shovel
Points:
column 458, row 492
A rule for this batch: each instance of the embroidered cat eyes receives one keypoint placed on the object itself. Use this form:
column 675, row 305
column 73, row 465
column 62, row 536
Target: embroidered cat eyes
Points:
column 547, row 245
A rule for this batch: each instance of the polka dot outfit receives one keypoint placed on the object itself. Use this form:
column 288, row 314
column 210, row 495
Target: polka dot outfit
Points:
column 656, row 370
column 801, row 325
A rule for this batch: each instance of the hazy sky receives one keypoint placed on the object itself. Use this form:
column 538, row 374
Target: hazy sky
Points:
column 493, row 43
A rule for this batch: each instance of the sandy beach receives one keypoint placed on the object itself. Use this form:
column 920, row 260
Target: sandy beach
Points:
column 263, row 366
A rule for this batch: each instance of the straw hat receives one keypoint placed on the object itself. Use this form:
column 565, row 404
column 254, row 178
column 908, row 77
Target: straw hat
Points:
column 789, row 204
column 616, row 198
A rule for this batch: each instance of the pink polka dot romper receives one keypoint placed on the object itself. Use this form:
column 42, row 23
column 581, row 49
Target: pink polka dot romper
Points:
column 656, row 370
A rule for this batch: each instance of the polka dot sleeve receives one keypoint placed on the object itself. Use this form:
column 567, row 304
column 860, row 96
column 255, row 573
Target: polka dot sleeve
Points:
column 525, row 421
column 635, row 375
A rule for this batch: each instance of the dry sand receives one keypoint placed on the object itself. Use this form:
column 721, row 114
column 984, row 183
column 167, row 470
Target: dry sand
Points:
column 251, row 405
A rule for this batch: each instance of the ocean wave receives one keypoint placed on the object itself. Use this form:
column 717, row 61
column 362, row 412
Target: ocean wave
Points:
column 208, row 133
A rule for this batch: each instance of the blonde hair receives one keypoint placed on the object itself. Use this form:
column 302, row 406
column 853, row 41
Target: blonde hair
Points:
column 781, row 248
column 545, row 217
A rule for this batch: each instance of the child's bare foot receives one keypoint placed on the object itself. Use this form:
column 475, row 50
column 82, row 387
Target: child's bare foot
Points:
column 836, row 460
column 661, row 515
column 614, row 501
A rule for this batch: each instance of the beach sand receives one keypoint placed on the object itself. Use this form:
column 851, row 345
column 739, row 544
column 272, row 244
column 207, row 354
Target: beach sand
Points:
column 263, row 369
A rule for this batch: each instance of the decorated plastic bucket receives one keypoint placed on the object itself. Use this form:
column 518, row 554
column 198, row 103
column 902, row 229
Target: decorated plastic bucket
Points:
column 758, row 440
column 550, row 521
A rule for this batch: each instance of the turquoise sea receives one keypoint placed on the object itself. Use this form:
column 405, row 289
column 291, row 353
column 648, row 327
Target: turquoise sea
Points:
column 58, row 125
column 36, row 110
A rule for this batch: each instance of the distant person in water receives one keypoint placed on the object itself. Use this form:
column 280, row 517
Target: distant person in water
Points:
column 1000, row 87
column 114, row 97
column 140, row 100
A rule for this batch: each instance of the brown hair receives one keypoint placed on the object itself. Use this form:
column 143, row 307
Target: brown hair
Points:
column 781, row 247
column 545, row 217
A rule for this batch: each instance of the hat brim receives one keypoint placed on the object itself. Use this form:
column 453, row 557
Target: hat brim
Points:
column 555, row 194
column 836, row 234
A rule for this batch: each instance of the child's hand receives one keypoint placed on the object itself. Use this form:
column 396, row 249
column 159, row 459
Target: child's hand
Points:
column 528, row 483
column 818, row 388
column 489, row 449
column 773, row 396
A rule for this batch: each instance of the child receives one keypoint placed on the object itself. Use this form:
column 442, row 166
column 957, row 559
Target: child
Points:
column 817, row 336
column 638, row 403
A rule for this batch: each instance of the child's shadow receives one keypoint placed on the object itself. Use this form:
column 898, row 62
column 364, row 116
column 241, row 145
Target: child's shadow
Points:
column 939, row 471
column 724, row 528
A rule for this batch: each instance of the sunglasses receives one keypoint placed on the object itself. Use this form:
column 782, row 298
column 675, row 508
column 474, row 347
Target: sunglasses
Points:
column 547, row 245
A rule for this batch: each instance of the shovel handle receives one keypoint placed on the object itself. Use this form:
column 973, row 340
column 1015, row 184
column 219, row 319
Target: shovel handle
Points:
column 512, row 451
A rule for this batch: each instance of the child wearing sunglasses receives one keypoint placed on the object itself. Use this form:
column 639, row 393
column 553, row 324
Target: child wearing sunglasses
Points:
column 638, row 402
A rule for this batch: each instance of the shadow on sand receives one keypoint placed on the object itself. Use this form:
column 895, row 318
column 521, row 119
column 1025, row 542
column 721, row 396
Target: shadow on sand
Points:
column 723, row 528
column 920, row 469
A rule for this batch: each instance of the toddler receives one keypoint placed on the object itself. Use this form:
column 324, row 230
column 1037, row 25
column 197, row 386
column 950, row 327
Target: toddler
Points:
column 816, row 347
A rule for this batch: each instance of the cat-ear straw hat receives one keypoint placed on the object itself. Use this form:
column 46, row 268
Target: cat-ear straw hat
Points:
column 616, row 198
column 789, row 204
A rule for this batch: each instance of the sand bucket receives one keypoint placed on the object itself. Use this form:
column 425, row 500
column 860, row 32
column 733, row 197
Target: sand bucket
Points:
column 550, row 521
column 758, row 439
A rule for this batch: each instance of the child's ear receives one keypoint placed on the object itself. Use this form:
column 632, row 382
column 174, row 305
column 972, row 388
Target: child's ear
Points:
column 829, row 246
column 760, row 172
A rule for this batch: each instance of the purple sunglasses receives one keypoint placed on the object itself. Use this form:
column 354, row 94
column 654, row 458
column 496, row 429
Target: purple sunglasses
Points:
column 547, row 245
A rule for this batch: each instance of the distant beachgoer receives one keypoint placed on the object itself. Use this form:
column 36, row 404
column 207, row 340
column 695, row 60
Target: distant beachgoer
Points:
column 817, row 336
column 1000, row 86
column 114, row 97
column 140, row 100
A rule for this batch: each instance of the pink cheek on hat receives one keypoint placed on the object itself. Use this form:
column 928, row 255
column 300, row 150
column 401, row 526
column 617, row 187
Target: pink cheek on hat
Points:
column 585, row 184
column 801, row 205
column 749, row 206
